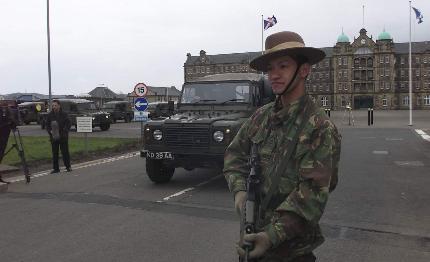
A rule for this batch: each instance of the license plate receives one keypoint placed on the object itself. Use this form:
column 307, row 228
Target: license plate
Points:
column 159, row 155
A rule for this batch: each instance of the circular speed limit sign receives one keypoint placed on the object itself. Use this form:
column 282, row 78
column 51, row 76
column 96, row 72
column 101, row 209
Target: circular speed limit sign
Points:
column 141, row 89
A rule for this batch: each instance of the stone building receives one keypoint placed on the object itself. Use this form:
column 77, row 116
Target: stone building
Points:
column 364, row 73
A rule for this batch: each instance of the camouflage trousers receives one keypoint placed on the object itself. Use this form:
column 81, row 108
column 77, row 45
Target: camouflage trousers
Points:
column 304, row 258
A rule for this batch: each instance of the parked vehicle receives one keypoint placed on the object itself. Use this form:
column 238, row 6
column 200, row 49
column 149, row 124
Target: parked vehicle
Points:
column 160, row 109
column 210, row 112
column 81, row 107
column 29, row 111
column 119, row 110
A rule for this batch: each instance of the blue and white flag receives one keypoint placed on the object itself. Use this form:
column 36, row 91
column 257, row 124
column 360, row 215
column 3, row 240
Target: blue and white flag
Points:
column 418, row 15
column 269, row 22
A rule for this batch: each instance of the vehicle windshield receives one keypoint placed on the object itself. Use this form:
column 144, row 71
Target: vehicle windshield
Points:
column 108, row 106
column 86, row 106
column 215, row 92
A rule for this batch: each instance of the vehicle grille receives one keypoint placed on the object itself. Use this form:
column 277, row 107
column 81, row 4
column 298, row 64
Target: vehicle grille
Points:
column 190, row 137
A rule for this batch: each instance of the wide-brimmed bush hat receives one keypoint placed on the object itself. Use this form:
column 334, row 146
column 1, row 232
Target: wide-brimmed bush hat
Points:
column 286, row 43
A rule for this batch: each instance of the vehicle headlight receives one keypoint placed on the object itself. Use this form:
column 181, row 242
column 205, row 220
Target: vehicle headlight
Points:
column 107, row 116
column 157, row 134
column 94, row 118
column 218, row 136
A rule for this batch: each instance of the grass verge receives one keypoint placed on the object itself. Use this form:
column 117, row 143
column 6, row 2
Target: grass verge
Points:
column 38, row 149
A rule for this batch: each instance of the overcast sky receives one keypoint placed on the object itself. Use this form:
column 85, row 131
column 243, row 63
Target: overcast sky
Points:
column 120, row 43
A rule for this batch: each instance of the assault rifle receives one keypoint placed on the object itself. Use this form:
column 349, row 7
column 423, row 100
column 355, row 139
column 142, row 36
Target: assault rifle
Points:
column 250, row 213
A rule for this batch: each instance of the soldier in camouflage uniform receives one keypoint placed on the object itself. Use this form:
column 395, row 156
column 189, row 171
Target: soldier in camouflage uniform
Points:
column 288, row 229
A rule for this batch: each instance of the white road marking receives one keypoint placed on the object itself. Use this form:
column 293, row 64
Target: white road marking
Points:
column 409, row 163
column 79, row 166
column 190, row 189
column 380, row 152
column 393, row 139
column 423, row 134
column 178, row 193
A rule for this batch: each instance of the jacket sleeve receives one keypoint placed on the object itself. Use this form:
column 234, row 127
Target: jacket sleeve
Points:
column 48, row 123
column 236, row 167
column 305, row 205
column 67, row 123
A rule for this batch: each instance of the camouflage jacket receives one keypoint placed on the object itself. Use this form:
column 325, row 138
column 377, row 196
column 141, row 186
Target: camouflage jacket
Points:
column 311, row 171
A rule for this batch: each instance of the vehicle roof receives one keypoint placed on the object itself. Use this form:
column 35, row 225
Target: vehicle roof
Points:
column 74, row 100
column 30, row 103
column 229, row 77
column 117, row 102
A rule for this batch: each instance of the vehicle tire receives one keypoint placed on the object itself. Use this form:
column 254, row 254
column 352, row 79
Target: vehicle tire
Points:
column 104, row 126
column 158, row 172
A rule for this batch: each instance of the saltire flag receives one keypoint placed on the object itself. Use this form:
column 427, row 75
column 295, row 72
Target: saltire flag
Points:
column 418, row 15
column 269, row 22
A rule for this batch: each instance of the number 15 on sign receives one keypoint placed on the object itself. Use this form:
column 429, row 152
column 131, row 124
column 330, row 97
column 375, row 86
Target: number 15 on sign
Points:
column 140, row 89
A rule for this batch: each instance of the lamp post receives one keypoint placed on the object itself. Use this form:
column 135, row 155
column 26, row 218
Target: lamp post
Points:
column 49, row 54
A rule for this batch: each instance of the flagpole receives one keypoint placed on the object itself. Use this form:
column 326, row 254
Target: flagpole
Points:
column 410, row 64
column 262, row 30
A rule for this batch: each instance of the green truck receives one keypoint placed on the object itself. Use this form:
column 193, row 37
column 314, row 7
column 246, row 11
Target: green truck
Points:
column 209, row 114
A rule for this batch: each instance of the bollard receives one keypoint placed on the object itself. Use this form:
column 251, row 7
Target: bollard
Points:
column 371, row 116
column 368, row 116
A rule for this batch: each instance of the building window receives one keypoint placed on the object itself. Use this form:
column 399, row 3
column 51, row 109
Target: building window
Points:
column 345, row 73
column 324, row 101
column 427, row 100
column 326, row 63
column 384, row 101
column 417, row 59
column 381, row 59
column 369, row 74
column 342, row 102
column 327, row 87
column 387, row 86
column 339, row 86
column 417, row 85
column 424, row 59
column 340, row 74
column 345, row 61
column 402, row 60
column 402, row 73
column 345, row 87
column 387, row 59
column 417, row 72
column 339, row 61
column 387, row 72
column 402, row 85
column 382, row 85
column 405, row 100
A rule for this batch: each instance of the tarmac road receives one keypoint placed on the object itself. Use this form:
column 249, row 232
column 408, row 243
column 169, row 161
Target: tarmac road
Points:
column 110, row 211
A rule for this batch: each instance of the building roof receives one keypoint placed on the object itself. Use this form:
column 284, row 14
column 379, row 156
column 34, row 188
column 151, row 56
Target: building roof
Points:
column 233, row 58
column 343, row 38
column 162, row 91
column 417, row 47
column 384, row 36
column 103, row 92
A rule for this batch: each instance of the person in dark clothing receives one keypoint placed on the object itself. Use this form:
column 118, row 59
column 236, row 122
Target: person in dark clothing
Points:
column 58, row 126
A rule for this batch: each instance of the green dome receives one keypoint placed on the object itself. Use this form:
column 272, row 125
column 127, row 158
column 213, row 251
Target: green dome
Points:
column 343, row 38
column 384, row 36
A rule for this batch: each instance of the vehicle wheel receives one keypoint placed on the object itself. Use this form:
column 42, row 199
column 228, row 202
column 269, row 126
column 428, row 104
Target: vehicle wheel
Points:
column 104, row 126
column 157, row 172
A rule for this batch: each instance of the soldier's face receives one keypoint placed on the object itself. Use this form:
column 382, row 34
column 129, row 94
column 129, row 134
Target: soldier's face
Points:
column 281, row 71
column 55, row 107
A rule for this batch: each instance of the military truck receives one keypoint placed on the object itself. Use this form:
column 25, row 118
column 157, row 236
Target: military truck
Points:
column 161, row 109
column 29, row 111
column 209, row 114
column 81, row 107
column 119, row 110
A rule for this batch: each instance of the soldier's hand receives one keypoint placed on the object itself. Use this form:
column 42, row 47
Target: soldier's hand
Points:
column 239, row 201
column 261, row 243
